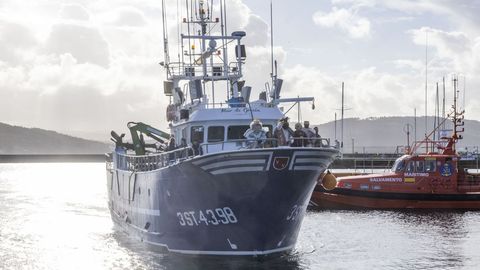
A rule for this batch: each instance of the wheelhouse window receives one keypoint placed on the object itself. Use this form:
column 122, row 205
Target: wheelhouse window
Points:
column 216, row 134
column 196, row 134
column 411, row 166
column 236, row 132
column 399, row 166
column 430, row 165
column 420, row 166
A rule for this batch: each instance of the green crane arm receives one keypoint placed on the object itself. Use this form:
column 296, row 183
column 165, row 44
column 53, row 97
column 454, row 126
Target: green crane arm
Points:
column 139, row 128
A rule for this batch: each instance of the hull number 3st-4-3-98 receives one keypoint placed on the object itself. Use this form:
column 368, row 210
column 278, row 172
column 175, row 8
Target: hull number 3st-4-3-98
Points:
column 207, row 217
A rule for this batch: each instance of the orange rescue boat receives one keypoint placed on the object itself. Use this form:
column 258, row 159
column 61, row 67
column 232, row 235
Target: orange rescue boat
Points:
column 433, row 180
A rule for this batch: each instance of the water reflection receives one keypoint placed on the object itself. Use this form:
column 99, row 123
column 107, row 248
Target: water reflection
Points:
column 149, row 257
column 55, row 216
column 440, row 235
column 412, row 239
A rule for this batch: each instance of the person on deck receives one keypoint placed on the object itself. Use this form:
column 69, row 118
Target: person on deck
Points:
column 171, row 144
column 317, row 141
column 299, row 137
column 283, row 133
column 310, row 134
column 183, row 143
column 197, row 148
column 255, row 135
column 269, row 142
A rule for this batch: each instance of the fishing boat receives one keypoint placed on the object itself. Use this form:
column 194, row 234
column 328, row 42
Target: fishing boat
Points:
column 217, row 192
column 430, row 180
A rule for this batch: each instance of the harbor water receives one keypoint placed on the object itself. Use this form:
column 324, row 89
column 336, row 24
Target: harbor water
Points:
column 55, row 216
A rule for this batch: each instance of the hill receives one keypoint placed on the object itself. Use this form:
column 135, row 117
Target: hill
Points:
column 384, row 134
column 370, row 135
column 20, row 140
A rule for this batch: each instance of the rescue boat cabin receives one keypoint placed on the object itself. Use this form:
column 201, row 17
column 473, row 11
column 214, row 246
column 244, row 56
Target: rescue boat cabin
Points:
column 411, row 173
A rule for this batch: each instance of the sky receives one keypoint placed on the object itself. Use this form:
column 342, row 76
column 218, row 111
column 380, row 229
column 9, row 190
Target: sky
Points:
column 85, row 67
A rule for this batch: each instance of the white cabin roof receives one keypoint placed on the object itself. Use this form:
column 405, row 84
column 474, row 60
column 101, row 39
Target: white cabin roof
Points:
column 236, row 113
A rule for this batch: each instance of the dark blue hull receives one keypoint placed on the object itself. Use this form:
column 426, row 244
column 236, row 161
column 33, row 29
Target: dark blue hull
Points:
column 248, row 202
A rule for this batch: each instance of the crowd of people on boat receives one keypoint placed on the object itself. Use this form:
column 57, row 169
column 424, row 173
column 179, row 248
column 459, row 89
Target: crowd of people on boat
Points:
column 283, row 135
column 257, row 137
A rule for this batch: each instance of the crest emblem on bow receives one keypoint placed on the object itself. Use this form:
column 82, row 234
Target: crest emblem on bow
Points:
column 280, row 163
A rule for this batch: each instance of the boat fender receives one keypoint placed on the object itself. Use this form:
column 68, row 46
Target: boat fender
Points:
column 329, row 181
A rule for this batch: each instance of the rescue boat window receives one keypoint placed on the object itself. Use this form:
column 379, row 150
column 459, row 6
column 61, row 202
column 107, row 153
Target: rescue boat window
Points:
column 430, row 165
column 398, row 166
column 236, row 132
column 216, row 134
column 411, row 166
column 196, row 134
column 420, row 166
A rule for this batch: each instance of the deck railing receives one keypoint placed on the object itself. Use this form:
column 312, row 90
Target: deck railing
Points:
column 160, row 160
column 152, row 161
column 265, row 143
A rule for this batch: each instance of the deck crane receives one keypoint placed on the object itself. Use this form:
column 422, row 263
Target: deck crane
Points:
column 137, row 130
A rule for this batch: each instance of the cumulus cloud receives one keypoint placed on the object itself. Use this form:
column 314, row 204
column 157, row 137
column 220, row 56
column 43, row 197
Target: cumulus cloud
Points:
column 84, row 77
column 346, row 20
column 81, row 98
column 15, row 39
column 74, row 12
column 95, row 68
column 85, row 43
column 408, row 6
column 258, row 66
column 447, row 43
column 413, row 65
column 368, row 92
column 257, row 31
column 127, row 16
column 452, row 44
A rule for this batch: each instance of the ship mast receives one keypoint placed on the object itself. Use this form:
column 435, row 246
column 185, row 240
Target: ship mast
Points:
column 457, row 118
column 206, row 59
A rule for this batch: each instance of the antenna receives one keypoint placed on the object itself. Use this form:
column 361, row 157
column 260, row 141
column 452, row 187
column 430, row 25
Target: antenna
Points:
column 436, row 122
column 299, row 112
column 455, row 94
column 415, row 125
column 165, row 36
column 271, row 40
column 335, row 126
column 426, row 79
column 343, row 108
column 464, row 90
column 223, row 26
column 443, row 105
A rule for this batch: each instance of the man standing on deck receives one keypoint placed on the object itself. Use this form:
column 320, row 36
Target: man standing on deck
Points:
column 309, row 133
column 317, row 138
column 283, row 133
